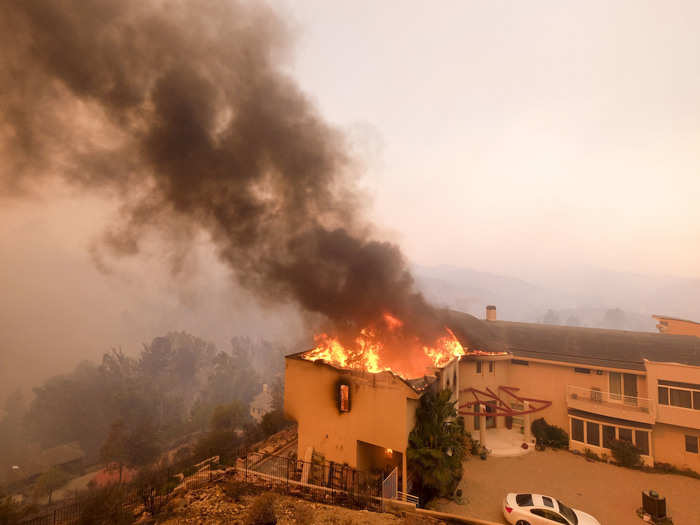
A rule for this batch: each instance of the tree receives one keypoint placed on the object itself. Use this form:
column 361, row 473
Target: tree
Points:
column 273, row 422
column 572, row 320
column 437, row 446
column 614, row 318
column 115, row 450
column 134, row 447
column 51, row 480
column 551, row 317
column 228, row 417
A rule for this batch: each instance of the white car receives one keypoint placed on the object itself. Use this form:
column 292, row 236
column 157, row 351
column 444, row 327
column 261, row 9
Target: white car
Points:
column 535, row 509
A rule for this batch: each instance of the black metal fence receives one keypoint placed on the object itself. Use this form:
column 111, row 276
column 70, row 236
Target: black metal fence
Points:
column 69, row 513
column 321, row 481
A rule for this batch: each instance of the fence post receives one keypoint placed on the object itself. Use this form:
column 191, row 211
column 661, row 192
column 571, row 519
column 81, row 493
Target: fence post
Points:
column 54, row 517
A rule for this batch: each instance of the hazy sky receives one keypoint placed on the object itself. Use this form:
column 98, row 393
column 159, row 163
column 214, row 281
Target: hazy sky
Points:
column 519, row 136
column 523, row 138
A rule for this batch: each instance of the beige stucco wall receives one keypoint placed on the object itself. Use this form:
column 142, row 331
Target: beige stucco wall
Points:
column 683, row 417
column 382, row 408
column 669, row 446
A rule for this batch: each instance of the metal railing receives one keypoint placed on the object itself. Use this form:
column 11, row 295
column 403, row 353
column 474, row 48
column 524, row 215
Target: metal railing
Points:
column 611, row 399
column 408, row 498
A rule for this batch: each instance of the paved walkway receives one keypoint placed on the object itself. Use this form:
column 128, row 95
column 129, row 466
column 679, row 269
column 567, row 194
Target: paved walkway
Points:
column 610, row 493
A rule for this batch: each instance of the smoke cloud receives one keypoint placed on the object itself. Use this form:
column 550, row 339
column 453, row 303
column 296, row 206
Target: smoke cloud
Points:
column 182, row 110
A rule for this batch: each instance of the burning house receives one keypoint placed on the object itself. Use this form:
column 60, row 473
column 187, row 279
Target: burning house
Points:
column 356, row 404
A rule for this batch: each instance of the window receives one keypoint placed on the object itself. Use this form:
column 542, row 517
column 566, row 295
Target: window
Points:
column 680, row 398
column 549, row 515
column 684, row 395
column 625, row 434
column 519, row 362
column 344, row 398
column 547, row 501
column 689, row 386
column 582, row 370
column 691, row 444
column 478, row 367
column 577, row 430
column 608, row 436
column 592, row 433
column 566, row 511
column 491, row 367
column 524, row 500
column 642, row 441
column 615, row 379
column 596, row 395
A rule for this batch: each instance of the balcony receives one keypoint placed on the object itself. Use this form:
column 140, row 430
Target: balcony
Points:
column 640, row 409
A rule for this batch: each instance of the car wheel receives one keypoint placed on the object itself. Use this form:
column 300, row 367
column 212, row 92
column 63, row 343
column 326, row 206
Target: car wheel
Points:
column 521, row 522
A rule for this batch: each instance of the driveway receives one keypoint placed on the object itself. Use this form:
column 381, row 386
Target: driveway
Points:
column 610, row 493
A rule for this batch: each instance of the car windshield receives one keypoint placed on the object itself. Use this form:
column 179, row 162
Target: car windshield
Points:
column 524, row 500
column 568, row 513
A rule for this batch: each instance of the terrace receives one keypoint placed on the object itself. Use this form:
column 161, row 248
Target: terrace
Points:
column 611, row 404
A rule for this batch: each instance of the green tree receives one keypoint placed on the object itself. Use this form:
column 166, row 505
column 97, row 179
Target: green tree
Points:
column 49, row 481
column 437, row 446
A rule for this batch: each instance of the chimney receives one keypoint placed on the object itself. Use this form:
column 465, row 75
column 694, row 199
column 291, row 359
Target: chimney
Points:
column 490, row 313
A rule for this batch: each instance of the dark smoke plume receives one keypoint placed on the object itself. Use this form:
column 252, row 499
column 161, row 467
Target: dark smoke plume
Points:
column 182, row 111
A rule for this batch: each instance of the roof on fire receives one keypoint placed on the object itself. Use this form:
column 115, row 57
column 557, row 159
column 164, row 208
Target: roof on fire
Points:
column 417, row 385
column 591, row 346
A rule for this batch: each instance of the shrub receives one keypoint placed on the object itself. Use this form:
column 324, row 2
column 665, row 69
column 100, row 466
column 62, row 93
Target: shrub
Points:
column 262, row 511
column 591, row 455
column 550, row 435
column 105, row 507
column 303, row 513
column 235, row 490
column 273, row 422
column 625, row 453
column 10, row 512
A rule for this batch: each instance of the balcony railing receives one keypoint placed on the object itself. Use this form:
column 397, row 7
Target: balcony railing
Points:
column 596, row 400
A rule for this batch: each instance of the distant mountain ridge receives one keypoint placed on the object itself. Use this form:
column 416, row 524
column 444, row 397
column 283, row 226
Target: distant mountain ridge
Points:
column 583, row 296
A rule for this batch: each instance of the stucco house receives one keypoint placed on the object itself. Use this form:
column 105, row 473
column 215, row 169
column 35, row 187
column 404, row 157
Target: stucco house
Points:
column 599, row 385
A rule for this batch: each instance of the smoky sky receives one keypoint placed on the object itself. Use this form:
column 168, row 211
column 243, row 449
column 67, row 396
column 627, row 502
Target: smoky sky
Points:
column 183, row 111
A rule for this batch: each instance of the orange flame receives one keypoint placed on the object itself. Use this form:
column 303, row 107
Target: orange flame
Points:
column 370, row 353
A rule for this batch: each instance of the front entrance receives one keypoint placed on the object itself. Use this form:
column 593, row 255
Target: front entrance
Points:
column 490, row 409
